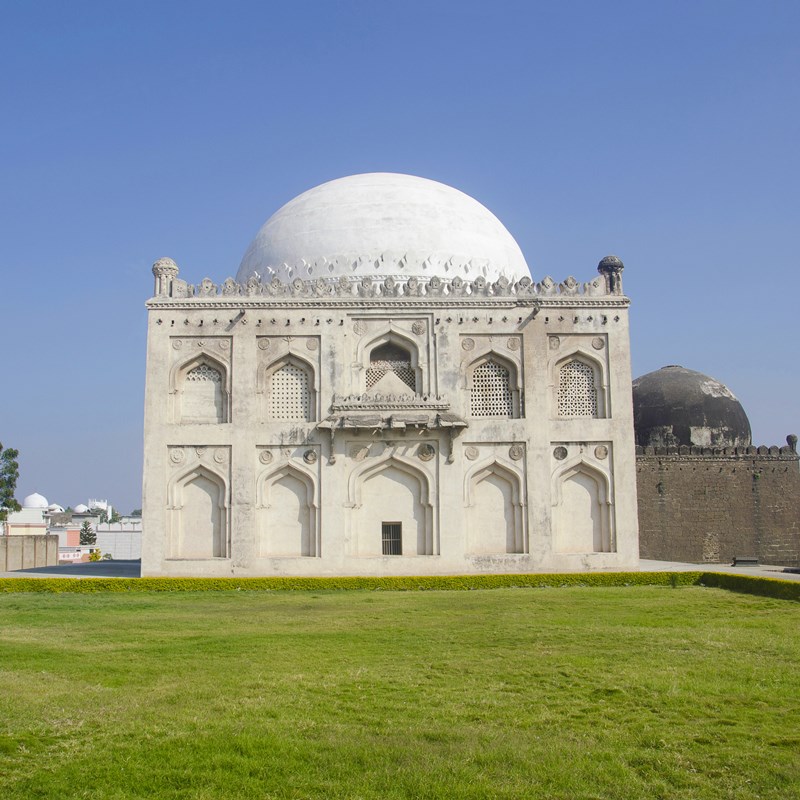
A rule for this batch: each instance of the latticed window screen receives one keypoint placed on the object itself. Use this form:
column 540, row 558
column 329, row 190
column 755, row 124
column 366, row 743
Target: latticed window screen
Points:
column 290, row 397
column 203, row 372
column 392, row 538
column 577, row 394
column 391, row 358
column 491, row 391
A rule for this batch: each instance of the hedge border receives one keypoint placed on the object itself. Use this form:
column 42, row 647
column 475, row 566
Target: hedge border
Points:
column 765, row 587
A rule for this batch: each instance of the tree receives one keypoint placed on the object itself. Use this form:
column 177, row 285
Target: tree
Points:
column 99, row 512
column 115, row 517
column 88, row 536
column 9, row 474
column 137, row 512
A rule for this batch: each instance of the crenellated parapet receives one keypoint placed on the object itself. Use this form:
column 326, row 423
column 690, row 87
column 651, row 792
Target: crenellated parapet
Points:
column 786, row 452
column 169, row 285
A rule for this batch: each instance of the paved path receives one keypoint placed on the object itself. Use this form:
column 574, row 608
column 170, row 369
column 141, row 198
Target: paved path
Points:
column 132, row 569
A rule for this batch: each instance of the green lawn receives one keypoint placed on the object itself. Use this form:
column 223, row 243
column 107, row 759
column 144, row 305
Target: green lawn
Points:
column 637, row 692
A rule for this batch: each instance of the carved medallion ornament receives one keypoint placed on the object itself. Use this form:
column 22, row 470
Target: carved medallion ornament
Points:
column 265, row 457
column 312, row 344
column 471, row 452
column 223, row 345
column 601, row 452
column 513, row 344
column 560, row 453
column 426, row 452
column 176, row 456
column 418, row 328
column 360, row 327
column 220, row 455
column 598, row 343
column 468, row 344
column 177, row 344
column 199, row 451
column 263, row 344
column 516, row 451
column 310, row 456
column 555, row 342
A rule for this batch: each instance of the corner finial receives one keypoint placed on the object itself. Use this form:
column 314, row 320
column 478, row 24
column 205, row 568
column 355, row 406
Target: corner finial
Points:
column 791, row 440
column 165, row 270
column 611, row 269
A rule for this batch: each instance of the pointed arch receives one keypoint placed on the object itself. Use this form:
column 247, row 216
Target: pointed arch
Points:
column 579, row 386
column 392, row 490
column 493, row 386
column 582, row 510
column 494, row 494
column 408, row 376
column 288, row 513
column 200, row 388
column 289, row 389
column 199, row 514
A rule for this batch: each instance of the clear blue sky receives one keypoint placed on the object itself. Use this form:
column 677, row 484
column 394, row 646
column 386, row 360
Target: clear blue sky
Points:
column 664, row 132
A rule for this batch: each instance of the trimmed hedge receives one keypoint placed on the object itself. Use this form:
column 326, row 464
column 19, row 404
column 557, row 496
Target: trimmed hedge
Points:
column 765, row 587
column 399, row 583
column 748, row 584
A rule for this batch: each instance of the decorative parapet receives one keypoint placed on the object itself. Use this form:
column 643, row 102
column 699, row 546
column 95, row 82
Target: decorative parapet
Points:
column 388, row 288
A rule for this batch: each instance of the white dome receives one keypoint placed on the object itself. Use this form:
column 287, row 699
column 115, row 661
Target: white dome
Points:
column 382, row 224
column 80, row 508
column 35, row 500
column 55, row 508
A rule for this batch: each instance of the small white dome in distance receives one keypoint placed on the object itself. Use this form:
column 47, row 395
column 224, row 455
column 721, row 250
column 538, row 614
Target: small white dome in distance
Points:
column 55, row 508
column 379, row 225
column 80, row 508
column 35, row 500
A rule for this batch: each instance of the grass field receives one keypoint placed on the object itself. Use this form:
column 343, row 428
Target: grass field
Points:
column 639, row 692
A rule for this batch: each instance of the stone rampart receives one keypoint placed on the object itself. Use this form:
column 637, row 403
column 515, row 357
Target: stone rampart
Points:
column 709, row 505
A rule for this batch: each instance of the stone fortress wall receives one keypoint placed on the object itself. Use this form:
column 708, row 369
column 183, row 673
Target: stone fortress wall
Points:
column 710, row 505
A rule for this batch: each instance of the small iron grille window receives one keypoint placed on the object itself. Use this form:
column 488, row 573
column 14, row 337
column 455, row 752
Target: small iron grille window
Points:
column 491, row 391
column 392, row 534
column 577, row 395
column 290, row 397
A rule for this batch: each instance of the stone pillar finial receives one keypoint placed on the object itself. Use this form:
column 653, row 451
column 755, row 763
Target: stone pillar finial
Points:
column 791, row 440
column 165, row 270
column 611, row 269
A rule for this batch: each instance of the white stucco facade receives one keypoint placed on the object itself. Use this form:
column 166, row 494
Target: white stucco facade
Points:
column 371, row 409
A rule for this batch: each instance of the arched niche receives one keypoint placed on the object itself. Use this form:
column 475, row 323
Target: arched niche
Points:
column 496, row 510
column 287, row 513
column 392, row 491
column 493, row 387
column 200, row 388
column 198, row 514
column 579, row 387
column 404, row 376
column 582, row 510
column 289, row 389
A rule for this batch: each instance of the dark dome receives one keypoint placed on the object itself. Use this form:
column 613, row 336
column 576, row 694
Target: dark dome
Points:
column 674, row 406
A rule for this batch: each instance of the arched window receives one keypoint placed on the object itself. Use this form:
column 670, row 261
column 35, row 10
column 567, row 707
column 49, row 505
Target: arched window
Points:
column 491, row 392
column 290, row 393
column 394, row 359
column 577, row 391
column 203, row 395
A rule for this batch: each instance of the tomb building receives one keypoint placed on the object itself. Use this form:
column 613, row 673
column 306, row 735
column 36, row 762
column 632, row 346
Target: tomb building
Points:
column 384, row 389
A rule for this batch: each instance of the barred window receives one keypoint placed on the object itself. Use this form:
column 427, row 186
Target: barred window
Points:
column 387, row 358
column 290, row 395
column 577, row 394
column 392, row 538
column 204, row 372
column 491, row 391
